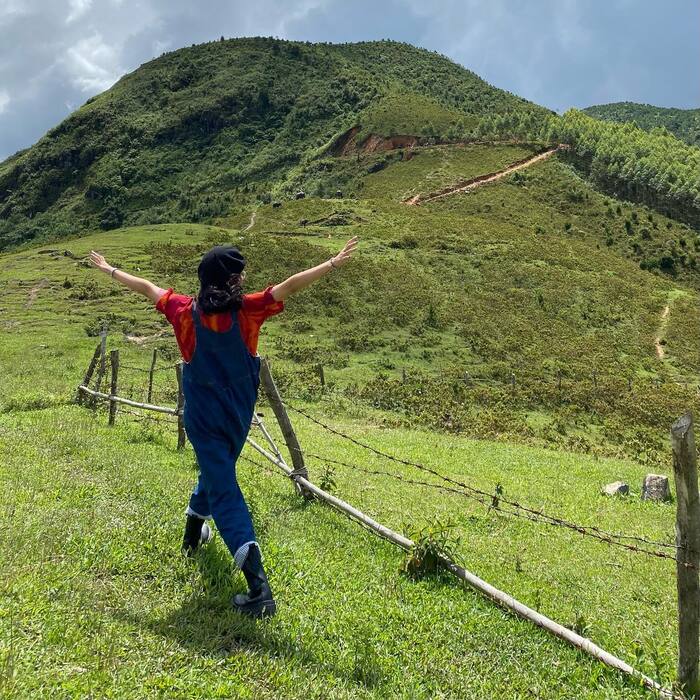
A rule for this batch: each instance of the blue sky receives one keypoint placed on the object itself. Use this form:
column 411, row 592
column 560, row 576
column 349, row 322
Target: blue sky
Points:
column 55, row 54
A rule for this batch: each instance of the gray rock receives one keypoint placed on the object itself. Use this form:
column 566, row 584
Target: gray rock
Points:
column 656, row 488
column 617, row 488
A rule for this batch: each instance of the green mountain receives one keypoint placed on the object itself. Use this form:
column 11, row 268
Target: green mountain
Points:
column 191, row 134
column 528, row 280
column 683, row 123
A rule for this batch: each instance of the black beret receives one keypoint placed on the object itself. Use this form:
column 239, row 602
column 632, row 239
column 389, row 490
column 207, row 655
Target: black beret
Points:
column 219, row 264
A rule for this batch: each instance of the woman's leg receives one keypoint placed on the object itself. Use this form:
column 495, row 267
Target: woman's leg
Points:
column 199, row 502
column 197, row 532
column 216, row 458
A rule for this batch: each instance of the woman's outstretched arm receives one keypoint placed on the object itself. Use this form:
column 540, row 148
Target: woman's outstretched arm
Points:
column 135, row 284
column 303, row 279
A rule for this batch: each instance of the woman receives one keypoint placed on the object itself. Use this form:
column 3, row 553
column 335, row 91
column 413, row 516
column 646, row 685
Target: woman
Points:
column 217, row 333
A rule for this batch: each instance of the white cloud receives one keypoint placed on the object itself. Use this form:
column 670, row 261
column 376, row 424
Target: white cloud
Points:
column 10, row 10
column 4, row 100
column 77, row 9
column 92, row 65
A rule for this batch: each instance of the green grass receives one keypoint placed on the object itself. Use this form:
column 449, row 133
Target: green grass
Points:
column 97, row 601
column 532, row 275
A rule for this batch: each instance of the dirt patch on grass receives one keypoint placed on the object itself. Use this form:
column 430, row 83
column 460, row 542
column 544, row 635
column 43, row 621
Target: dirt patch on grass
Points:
column 347, row 143
column 34, row 292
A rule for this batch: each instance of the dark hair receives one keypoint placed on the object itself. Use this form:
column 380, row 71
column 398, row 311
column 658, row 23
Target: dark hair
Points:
column 214, row 298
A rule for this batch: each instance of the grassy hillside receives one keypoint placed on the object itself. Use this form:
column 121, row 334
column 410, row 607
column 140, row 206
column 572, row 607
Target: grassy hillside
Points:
column 683, row 123
column 537, row 275
column 533, row 334
column 192, row 133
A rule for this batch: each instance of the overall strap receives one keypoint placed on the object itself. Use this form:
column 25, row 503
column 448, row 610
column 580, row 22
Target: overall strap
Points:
column 195, row 314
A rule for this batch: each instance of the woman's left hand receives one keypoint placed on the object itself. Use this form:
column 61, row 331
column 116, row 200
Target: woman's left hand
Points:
column 98, row 261
column 346, row 253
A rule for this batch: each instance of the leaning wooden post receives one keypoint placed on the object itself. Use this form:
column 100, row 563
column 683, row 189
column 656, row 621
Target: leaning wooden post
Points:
column 321, row 376
column 180, row 408
column 103, row 362
column 89, row 373
column 290, row 438
column 114, row 362
column 150, row 375
column 685, row 472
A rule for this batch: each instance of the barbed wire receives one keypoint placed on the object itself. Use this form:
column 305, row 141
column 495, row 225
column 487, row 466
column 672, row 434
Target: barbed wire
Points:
column 141, row 416
column 496, row 499
column 122, row 365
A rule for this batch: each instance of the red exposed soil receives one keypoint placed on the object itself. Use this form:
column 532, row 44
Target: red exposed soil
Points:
column 347, row 143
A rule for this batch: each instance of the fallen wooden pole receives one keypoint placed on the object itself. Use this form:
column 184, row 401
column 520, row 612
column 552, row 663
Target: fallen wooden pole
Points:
column 493, row 593
column 128, row 402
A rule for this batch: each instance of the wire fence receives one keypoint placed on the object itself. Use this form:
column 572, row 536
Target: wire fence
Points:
column 495, row 500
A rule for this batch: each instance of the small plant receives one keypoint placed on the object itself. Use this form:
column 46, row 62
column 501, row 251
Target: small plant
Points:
column 431, row 542
column 327, row 482
column 581, row 625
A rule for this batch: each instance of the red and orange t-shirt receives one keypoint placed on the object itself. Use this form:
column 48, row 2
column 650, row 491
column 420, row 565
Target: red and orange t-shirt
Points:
column 177, row 308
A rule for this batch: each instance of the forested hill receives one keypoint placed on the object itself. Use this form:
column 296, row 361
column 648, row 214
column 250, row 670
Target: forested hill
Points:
column 683, row 123
column 196, row 131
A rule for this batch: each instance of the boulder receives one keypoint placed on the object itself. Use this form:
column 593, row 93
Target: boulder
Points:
column 656, row 488
column 617, row 488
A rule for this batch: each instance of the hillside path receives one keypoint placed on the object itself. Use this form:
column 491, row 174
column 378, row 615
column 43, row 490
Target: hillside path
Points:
column 480, row 180
column 660, row 352
column 252, row 221
column 659, row 341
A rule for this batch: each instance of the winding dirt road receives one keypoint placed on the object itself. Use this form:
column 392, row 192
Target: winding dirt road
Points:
column 475, row 182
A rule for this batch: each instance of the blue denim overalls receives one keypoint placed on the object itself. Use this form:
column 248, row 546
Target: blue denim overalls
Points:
column 220, row 384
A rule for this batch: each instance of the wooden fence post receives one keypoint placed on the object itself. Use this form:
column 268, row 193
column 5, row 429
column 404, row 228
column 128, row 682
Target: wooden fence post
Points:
column 114, row 362
column 290, row 438
column 150, row 376
column 103, row 362
column 89, row 373
column 512, row 381
column 321, row 375
column 180, row 408
column 685, row 472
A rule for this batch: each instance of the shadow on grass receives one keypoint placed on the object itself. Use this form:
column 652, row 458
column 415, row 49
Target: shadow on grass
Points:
column 206, row 624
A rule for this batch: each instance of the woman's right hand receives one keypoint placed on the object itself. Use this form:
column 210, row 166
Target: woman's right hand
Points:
column 346, row 253
column 98, row 261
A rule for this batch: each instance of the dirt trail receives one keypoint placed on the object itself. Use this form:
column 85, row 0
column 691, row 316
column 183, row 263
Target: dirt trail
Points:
column 660, row 351
column 475, row 182
column 252, row 221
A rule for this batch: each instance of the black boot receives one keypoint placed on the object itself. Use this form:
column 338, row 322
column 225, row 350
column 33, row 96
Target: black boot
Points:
column 258, row 601
column 197, row 532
